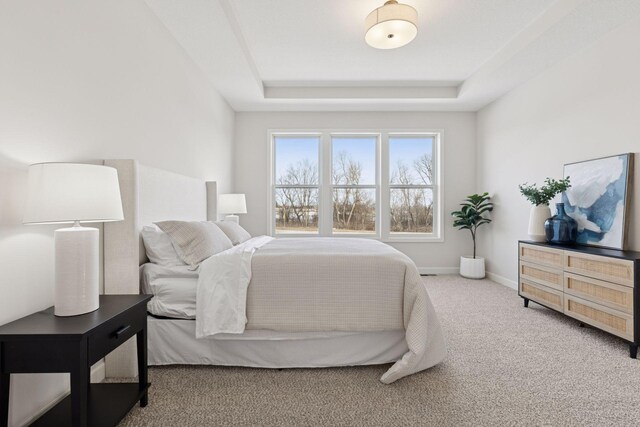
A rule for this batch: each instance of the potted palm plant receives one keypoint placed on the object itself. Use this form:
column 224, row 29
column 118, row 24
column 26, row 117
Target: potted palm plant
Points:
column 470, row 217
column 540, row 198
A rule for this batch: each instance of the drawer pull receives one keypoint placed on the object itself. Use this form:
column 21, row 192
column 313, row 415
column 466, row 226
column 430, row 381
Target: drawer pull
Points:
column 122, row 330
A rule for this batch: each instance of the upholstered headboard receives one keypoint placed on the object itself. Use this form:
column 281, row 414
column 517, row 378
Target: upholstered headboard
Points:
column 148, row 195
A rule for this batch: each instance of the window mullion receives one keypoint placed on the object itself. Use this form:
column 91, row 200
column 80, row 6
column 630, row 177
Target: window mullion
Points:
column 436, row 159
column 326, row 196
column 271, row 203
column 383, row 192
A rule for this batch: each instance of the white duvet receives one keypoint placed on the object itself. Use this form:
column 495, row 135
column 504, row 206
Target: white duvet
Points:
column 320, row 284
column 221, row 297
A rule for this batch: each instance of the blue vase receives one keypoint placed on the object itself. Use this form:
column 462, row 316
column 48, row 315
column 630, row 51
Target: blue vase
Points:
column 561, row 228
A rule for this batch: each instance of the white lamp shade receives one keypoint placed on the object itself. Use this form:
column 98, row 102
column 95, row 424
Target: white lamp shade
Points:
column 232, row 204
column 390, row 26
column 68, row 192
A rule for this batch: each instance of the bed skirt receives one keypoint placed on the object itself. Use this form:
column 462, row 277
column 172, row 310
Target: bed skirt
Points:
column 173, row 342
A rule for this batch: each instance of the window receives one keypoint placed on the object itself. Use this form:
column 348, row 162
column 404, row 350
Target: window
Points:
column 411, row 170
column 381, row 184
column 296, row 184
column 354, row 186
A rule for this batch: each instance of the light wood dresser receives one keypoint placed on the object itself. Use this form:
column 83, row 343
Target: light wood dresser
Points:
column 596, row 286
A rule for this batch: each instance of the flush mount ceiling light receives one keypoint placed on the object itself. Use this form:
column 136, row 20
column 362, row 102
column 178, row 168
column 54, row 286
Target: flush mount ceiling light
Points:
column 391, row 25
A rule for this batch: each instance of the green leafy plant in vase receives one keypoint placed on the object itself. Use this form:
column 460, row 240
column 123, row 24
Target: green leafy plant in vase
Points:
column 540, row 198
column 471, row 216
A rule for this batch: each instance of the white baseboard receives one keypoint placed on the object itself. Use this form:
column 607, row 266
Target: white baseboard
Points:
column 44, row 409
column 97, row 376
column 438, row 270
column 98, row 372
column 502, row 281
column 455, row 270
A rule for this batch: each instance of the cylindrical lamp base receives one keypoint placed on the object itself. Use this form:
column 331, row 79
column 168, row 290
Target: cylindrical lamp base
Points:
column 232, row 218
column 77, row 271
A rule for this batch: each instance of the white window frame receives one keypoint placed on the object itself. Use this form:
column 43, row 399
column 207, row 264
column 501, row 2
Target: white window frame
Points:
column 273, row 185
column 382, row 186
column 436, row 187
column 375, row 186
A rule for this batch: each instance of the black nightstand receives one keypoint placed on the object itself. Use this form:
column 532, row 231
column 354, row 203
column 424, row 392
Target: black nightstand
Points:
column 42, row 343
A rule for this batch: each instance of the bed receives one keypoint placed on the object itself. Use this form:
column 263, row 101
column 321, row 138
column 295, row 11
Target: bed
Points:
column 309, row 302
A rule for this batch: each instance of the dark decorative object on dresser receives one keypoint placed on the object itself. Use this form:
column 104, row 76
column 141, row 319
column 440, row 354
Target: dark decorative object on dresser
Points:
column 561, row 228
column 597, row 286
column 43, row 342
column 540, row 198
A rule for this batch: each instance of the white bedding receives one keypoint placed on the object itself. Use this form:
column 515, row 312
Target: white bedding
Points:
column 221, row 298
column 322, row 284
column 173, row 290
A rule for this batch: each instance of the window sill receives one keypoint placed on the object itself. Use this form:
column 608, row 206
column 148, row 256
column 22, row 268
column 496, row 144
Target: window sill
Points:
column 413, row 240
column 408, row 239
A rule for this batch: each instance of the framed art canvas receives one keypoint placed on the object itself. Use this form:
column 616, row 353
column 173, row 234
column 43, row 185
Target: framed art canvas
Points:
column 598, row 199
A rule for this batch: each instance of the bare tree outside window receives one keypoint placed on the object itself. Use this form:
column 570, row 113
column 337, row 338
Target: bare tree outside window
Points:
column 344, row 199
column 354, row 184
column 411, row 185
column 297, row 180
column 354, row 208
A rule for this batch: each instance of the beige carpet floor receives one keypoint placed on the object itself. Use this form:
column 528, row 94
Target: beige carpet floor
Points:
column 506, row 366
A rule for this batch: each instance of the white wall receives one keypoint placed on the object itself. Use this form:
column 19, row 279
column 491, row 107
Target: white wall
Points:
column 86, row 80
column 252, row 167
column 585, row 107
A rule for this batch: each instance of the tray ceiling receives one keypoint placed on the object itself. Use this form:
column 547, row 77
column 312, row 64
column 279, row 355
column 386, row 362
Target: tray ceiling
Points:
column 311, row 55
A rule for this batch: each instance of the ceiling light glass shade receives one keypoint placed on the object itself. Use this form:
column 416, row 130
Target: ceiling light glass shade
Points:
column 67, row 192
column 392, row 25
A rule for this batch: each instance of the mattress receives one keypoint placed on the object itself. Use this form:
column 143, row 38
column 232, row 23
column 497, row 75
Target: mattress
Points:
column 173, row 290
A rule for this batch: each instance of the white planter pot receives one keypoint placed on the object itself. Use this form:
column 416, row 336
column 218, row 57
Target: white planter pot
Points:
column 537, row 216
column 472, row 268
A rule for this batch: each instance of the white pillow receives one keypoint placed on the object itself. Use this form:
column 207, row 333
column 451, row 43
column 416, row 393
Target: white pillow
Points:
column 159, row 248
column 195, row 241
column 234, row 232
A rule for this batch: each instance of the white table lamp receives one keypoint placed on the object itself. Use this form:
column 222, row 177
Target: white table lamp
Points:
column 61, row 193
column 232, row 204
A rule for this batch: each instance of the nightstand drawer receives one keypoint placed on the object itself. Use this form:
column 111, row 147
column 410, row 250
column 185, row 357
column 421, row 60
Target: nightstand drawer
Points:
column 112, row 334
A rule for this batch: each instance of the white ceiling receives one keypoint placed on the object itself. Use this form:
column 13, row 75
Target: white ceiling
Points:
column 298, row 40
column 311, row 54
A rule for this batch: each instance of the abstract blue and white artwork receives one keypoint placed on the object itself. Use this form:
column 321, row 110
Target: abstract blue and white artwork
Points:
column 597, row 199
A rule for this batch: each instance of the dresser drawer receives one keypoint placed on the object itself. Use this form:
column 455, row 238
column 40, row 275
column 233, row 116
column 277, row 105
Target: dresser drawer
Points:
column 544, row 295
column 543, row 275
column 610, row 269
column 115, row 332
column 541, row 255
column 605, row 293
column 605, row 318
